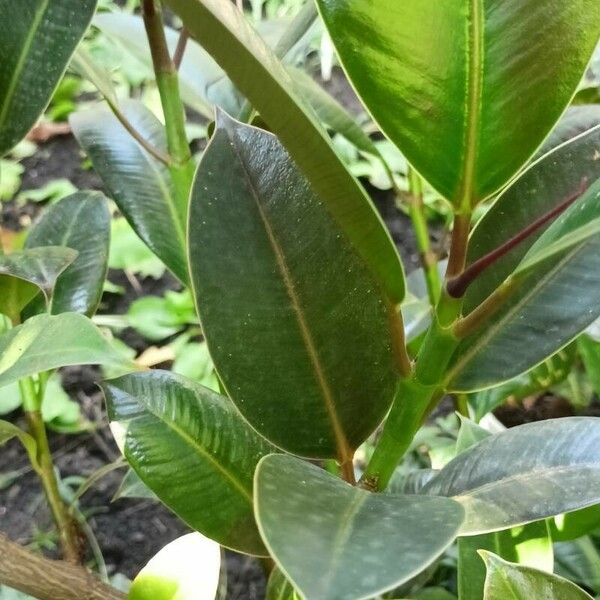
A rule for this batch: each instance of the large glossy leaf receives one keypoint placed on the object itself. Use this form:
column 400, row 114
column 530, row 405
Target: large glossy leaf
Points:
column 193, row 450
column 185, row 569
column 458, row 72
column 23, row 274
column 557, row 295
column 550, row 180
column 287, row 306
column 80, row 222
column 524, row 474
column 509, row 580
column 203, row 83
column 225, row 33
column 335, row 541
column 47, row 342
column 138, row 183
column 37, row 39
column 574, row 227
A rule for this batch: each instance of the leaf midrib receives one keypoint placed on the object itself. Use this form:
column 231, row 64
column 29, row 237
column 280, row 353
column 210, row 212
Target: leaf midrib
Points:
column 193, row 443
column 343, row 447
column 16, row 76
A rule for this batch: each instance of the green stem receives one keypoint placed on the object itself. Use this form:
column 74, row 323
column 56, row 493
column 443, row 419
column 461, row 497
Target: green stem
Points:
column 182, row 167
column 417, row 216
column 419, row 393
column 67, row 528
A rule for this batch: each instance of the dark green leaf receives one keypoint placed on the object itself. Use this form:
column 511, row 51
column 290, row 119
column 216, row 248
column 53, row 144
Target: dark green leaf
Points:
column 47, row 342
column 24, row 273
column 579, row 561
column 550, row 180
column 193, row 450
column 524, row 474
column 573, row 525
column 80, row 222
column 137, row 182
column 458, row 73
column 37, row 39
column 575, row 121
column 226, row 34
column 509, row 580
column 556, row 296
column 335, row 541
column 287, row 306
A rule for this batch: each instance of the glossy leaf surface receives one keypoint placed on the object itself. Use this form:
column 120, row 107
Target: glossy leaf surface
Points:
column 80, row 222
column 458, row 72
column 185, row 569
column 193, row 450
column 226, row 34
column 524, row 474
column 543, row 313
column 37, row 39
column 335, row 541
column 23, row 274
column 509, row 580
column 550, row 180
column 287, row 307
column 137, row 182
column 47, row 342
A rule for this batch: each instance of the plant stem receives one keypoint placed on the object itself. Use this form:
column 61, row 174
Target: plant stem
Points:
column 184, row 36
column 458, row 247
column 417, row 216
column 49, row 579
column 182, row 168
column 66, row 525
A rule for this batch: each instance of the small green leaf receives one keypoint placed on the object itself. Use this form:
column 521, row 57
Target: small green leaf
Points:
column 80, row 222
column 185, row 569
column 509, row 580
column 36, row 44
column 48, row 342
column 524, row 474
column 297, row 289
column 23, row 274
column 338, row 542
column 137, row 182
column 458, row 73
column 226, row 34
column 8, row 431
column 193, row 450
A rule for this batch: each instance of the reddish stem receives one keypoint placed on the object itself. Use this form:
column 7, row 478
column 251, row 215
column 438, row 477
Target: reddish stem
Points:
column 457, row 286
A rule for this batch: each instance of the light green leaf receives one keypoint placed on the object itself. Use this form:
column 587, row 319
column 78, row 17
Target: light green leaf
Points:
column 193, row 450
column 226, row 34
column 310, row 320
column 80, row 222
column 23, row 274
column 47, row 342
column 338, row 542
column 469, row 434
column 524, row 474
column 458, row 72
column 203, row 83
column 509, row 580
column 8, row 431
column 185, row 569
column 36, row 43
column 137, row 182
column 546, row 183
